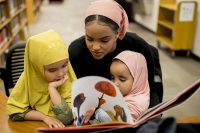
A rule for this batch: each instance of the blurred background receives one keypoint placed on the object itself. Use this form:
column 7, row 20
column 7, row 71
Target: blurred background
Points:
column 170, row 26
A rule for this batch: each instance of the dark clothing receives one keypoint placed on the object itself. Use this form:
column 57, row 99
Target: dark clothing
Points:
column 84, row 64
column 166, row 125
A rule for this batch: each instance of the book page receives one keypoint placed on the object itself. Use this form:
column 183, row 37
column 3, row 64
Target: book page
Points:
column 176, row 100
column 102, row 94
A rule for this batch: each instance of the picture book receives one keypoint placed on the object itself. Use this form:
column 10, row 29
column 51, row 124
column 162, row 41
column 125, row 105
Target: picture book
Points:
column 101, row 94
column 111, row 110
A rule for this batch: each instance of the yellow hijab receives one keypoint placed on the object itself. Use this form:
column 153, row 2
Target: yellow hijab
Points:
column 31, row 90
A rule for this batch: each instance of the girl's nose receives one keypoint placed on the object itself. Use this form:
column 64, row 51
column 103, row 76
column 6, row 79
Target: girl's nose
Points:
column 96, row 46
column 60, row 73
column 116, row 83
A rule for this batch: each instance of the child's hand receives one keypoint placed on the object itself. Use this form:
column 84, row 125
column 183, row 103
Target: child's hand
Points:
column 53, row 122
column 57, row 83
column 88, row 115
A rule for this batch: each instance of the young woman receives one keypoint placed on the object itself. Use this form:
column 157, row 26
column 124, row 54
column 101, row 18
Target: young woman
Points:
column 129, row 73
column 43, row 91
column 105, row 37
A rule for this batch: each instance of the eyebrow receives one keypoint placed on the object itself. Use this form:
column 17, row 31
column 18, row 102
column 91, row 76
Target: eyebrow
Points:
column 99, row 38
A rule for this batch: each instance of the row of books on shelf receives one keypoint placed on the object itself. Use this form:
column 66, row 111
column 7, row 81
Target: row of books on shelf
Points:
column 15, row 24
column 2, row 13
column 13, row 4
column 4, row 35
column 13, row 9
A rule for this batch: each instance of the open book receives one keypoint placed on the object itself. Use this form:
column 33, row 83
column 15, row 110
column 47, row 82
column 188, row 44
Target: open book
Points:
column 111, row 110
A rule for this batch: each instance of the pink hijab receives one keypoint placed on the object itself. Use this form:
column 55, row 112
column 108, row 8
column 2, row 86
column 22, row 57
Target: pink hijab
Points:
column 112, row 10
column 139, row 96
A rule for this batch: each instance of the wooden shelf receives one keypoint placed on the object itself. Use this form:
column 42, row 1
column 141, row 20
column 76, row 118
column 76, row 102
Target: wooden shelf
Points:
column 172, row 7
column 172, row 30
column 167, row 41
column 13, row 14
column 2, row 1
column 5, row 46
column 5, row 23
column 167, row 24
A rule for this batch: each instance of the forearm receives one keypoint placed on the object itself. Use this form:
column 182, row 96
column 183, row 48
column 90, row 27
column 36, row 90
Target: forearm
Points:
column 63, row 112
column 55, row 96
column 35, row 115
column 50, row 121
column 19, row 116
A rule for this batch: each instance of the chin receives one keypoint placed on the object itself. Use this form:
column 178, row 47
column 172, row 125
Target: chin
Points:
column 98, row 57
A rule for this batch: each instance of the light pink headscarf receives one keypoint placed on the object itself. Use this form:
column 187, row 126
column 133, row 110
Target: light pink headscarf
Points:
column 112, row 10
column 139, row 96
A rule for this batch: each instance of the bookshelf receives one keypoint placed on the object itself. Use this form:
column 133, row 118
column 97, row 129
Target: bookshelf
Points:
column 33, row 9
column 13, row 24
column 176, row 24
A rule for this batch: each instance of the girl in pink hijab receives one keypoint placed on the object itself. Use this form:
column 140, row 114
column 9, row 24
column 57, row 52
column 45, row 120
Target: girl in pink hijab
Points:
column 129, row 72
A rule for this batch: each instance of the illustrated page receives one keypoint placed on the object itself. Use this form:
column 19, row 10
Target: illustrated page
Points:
column 103, row 96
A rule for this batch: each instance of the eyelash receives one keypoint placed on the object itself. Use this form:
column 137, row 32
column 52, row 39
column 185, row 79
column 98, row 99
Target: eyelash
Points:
column 65, row 65
column 122, row 80
column 103, row 41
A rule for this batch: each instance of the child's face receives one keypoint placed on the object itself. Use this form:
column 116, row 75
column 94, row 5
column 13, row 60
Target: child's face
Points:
column 56, row 71
column 121, row 76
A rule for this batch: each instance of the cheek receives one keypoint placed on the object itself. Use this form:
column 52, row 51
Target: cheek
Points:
column 123, row 91
column 110, row 47
column 66, row 69
column 48, row 77
column 88, row 44
column 125, row 88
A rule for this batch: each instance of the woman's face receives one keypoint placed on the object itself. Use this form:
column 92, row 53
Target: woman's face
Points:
column 56, row 71
column 121, row 76
column 100, row 39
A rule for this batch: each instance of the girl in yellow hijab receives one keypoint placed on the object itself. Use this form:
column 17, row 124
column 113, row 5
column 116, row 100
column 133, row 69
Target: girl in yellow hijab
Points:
column 43, row 91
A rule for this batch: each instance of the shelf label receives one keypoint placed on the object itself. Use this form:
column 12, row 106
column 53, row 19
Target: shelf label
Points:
column 186, row 11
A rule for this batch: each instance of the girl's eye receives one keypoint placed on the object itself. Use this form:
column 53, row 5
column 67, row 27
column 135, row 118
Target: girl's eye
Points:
column 122, row 79
column 65, row 65
column 52, row 70
column 89, row 39
column 104, row 41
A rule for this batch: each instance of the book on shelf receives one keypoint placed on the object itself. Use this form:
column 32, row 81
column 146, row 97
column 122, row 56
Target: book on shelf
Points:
column 94, row 91
column 13, row 6
column 15, row 24
column 2, row 13
column 26, row 32
column 16, row 38
column 22, row 3
column 23, row 17
column 3, row 37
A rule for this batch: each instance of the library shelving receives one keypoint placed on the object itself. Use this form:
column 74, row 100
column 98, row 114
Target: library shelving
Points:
column 176, row 25
column 13, row 24
column 33, row 9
